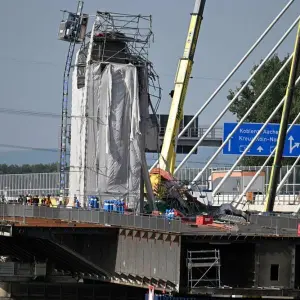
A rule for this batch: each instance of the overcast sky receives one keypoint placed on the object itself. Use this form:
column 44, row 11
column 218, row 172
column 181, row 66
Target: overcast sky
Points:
column 33, row 59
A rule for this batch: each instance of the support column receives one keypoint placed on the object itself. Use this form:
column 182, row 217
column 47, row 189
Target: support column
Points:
column 293, row 262
column 256, row 265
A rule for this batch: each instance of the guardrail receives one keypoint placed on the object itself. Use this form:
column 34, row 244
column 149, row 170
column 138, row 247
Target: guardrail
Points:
column 267, row 225
column 214, row 134
column 146, row 222
column 282, row 222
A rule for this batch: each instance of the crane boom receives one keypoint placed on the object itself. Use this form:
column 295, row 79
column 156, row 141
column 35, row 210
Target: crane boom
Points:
column 168, row 153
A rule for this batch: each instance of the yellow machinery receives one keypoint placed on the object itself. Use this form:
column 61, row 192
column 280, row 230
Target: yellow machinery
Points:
column 167, row 157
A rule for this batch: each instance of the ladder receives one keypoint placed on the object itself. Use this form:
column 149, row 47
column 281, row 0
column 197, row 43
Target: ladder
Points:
column 65, row 102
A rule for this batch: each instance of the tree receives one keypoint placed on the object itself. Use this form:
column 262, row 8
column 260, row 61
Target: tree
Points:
column 24, row 169
column 268, row 103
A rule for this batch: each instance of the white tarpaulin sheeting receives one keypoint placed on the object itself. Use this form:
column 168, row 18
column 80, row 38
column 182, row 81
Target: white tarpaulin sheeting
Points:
column 106, row 132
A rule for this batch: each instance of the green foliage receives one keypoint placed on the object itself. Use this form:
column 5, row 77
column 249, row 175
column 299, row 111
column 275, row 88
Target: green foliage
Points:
column 269, row 101
column 24, row 169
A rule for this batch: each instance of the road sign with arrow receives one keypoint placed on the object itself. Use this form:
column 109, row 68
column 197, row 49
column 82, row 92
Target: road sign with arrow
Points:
column 265, row 143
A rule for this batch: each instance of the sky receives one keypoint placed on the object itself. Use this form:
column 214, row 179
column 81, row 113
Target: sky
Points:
column 33, row 59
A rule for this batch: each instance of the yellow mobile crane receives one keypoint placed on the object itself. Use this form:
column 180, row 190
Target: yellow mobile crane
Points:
column 167, row 157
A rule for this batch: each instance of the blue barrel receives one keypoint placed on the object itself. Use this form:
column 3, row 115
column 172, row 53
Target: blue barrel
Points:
column 106, row 205
column 96, row 202
column 110, row 205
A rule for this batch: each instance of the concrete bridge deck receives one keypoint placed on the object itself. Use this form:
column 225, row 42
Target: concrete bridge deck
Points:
column 140, row 250
column 41, row 216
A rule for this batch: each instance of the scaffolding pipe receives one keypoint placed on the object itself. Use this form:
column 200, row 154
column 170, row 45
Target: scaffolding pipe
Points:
column 271, row 194
column 243, row 119
column 84, row 125
column 277, row 18
column 250, row 144
column 237, row 95
column 263, row 166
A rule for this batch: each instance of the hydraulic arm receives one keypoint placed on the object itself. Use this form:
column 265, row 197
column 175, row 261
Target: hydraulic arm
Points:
column 167, row 157
column 168, row 153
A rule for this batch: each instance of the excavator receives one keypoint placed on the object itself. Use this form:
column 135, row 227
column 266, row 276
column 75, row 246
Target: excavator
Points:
column 166, row 188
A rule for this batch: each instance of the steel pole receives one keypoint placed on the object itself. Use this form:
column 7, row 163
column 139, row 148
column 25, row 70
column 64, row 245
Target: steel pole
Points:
column 263, row 166
column 277, row 18
column 237, row 95
column 270, row 199
column 243, row 118
column 251, row 143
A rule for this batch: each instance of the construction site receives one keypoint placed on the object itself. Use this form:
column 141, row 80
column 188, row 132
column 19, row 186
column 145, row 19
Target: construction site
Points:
column 108, row 226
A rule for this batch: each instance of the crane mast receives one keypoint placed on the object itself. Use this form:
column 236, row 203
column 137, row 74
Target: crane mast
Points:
column 167, row 157
column 69, row 32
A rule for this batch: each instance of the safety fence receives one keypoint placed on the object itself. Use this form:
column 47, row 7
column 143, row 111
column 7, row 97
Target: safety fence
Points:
column 13, row 185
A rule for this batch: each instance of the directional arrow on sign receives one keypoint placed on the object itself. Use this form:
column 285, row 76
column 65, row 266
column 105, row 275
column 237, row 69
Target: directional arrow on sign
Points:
column 260, row 148
column 229, row 145
column 292, row 147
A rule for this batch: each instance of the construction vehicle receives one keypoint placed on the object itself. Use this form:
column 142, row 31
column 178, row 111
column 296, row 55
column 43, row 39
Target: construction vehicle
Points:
column 162, row 181
column 172, row 194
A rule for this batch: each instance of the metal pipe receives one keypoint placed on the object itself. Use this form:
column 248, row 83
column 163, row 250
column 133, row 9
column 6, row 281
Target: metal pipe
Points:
column 263, row 166
column 250, row 144
column 232, row 71
column 237, row 95
column 270, row 199
column 84, row 127
column 243, row 118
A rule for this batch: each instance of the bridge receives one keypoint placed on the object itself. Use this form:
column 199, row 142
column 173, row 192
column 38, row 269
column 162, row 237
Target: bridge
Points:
column 226, row 257
column 139, row 250
column 192, row 135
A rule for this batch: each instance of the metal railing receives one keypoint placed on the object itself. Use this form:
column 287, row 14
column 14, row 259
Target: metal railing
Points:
column 147, row 222
column 20, row 213
column 196, row 133
column 284, row 222
column 48, row 183
column 286, row 199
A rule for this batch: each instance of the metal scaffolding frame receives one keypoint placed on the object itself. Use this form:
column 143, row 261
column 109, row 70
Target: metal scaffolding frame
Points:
column 135, row 33
column 204, row 266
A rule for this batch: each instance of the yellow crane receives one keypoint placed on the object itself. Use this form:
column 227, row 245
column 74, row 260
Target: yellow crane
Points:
column 167, row 159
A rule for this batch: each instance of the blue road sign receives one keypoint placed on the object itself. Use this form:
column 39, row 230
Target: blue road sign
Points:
column 265, row 143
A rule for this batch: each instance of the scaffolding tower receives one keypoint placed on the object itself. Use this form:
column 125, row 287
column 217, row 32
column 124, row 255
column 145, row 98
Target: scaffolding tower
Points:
column 204, row 269
column 120, row 40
